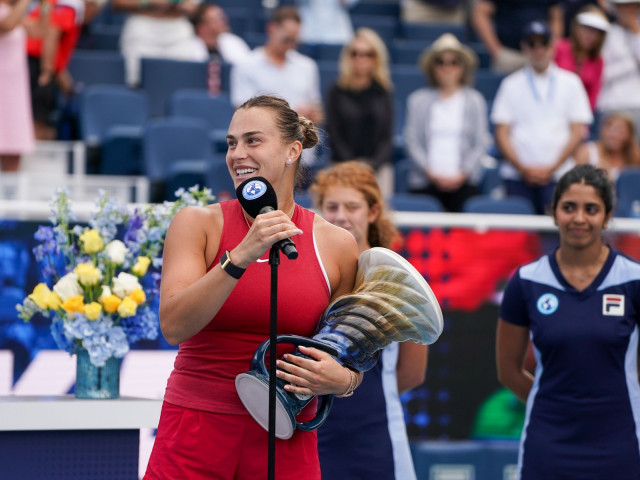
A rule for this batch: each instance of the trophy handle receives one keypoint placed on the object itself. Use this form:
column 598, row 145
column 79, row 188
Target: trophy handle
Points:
column 258, row 361
column 326, row 401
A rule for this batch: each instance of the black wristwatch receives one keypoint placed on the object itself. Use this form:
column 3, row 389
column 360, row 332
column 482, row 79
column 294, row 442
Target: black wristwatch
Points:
column 233, row 270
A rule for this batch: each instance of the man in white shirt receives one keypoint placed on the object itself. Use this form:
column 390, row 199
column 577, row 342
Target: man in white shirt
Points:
column 278, row 69
column 541, row 113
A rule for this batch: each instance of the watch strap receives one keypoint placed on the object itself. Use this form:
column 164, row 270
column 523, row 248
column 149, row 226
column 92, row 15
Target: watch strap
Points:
column 233, row 270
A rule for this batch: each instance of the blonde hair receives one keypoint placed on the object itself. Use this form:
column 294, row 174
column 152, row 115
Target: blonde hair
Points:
column 380, row 73
column 360, row 177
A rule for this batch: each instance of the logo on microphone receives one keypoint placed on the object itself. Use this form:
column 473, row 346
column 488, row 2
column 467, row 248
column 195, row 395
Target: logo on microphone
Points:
column 254, row 189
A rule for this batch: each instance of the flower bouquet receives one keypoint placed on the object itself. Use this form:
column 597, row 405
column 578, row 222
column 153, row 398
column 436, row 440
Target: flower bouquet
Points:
column 99, row 281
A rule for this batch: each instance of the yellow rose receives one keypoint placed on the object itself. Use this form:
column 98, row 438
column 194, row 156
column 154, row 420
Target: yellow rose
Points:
column 110, row 303
column 138, row 296
column 141, row 266
column 127, row 307
column 93, row 310
column 53, row 301
column 40, row 294
column 91, row 241
column 74, row 304
column 87, row 274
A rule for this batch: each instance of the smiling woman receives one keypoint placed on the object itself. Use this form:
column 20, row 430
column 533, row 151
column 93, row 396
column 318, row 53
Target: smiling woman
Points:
column 215, row 304
column 580, row 305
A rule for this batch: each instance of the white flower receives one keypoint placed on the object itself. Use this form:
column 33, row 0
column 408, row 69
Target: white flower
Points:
column 116, row 251
column 106, row 291
column 68, row 286
column 124, row 284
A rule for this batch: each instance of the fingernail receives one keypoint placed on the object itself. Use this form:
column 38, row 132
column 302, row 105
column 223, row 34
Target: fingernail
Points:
column 285, row 356
column 278, row 363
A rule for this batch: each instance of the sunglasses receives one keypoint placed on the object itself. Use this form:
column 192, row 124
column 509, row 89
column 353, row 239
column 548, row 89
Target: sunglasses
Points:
column 533, row 43
column 362, row 53
column 441, row 62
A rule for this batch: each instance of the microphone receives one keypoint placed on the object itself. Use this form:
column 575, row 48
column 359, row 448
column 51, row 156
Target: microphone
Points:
column 256, row 195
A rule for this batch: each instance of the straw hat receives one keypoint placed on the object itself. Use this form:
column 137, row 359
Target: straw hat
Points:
column 447, row 43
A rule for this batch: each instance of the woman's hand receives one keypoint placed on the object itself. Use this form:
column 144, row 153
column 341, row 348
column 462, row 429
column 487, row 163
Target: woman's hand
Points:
column 320, row 376
column 267, row 229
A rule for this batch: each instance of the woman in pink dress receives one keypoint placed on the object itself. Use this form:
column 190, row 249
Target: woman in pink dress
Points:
column 580, row 53
column 16, row 122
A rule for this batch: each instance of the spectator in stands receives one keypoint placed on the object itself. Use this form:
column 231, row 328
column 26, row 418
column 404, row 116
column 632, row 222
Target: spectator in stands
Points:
column 621, row 54
column 215, row 41
column 433, row 11
column 53, row 30
column 156, row 29
column 365, row 435
column 499, row 24
column 570, row 9
column 278, row 69
column 616, row 149
column 446, row 133
column 360, row 107
column 16, row 120
column 326, row 21
column 580, row 53
column 541, row 113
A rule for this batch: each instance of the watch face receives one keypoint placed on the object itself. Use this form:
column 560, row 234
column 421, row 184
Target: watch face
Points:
column 254, row 189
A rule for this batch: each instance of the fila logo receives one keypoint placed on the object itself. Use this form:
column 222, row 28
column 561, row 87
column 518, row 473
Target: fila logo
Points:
column 613, row 305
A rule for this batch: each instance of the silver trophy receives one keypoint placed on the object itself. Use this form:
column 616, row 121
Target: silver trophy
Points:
column 391, row 302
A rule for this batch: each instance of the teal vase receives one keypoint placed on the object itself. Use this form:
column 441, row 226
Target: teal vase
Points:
column 96, row 382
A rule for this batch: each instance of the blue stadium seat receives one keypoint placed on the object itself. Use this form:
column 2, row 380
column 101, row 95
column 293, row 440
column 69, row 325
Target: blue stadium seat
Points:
column 328, row 52
column 215, row 111
column 328, row 75
column 491, row 181
column 407, row 51
column 415, row 202
column 401, row 170
column 487, row 82
column 628, row 192
column 175, row 147
column 111, row 118
column 429, row 33
column 508, row 205
column 385, row 26
column 161, row 77
column 219, row 181
column 484, row 58
column 91, row 67
column 389, row 9
column 105, row 37
column 406, row 79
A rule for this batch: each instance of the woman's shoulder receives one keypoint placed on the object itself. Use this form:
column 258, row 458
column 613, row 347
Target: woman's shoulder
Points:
column 198, row 218
column 422, row 94
column 336, row 238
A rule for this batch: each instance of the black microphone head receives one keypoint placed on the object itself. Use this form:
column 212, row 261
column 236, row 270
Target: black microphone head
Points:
column 255, row 194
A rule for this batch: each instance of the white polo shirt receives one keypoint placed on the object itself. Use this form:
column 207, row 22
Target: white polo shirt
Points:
column 540, row 109
column 297, row 80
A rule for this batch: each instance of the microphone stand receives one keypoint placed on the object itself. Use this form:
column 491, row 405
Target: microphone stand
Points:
column 274, row 261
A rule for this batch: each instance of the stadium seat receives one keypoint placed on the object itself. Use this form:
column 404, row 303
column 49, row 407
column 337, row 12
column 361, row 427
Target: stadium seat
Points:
column 111, row 118
column 407, row 51
column 415, row 202
column 162, row 77
column 508, row 205
column 429, row 33
column 217, row 178
column 401, row 170
column 487, row 82
column 388, row 9
column 628, row 192
column 175, row 147
column 328, row 75
column 328, row 52
column 215, row 111
column 92, row 67
column 105, row 37
column 383, row 25
column 406, row 79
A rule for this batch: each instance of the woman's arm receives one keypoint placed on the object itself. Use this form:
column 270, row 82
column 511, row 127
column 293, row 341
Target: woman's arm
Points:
column 512, row 342
column 15, row 16
column 412, row 365
column 324, row 375
column 190, row 296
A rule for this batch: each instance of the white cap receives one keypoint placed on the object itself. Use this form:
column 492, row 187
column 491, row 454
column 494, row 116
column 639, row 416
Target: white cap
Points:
column 625, row 1
column 593, row 20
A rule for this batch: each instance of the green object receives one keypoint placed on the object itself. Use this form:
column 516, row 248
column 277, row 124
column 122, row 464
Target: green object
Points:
column 97, row 382
column 501, row 416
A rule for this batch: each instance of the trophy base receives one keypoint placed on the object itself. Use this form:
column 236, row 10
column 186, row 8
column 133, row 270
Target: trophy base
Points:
column 254, row 394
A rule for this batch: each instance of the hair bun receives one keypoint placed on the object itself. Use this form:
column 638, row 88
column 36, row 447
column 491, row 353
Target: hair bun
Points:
column 309, row 132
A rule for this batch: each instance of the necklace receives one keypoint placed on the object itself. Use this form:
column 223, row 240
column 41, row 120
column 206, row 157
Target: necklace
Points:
column 290, row 215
